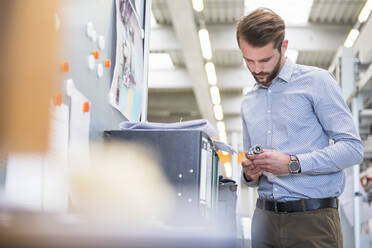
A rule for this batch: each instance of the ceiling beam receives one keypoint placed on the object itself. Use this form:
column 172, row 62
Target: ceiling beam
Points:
column 175, row 78
column 185, row 30
column 305, row 38
column 178, row 78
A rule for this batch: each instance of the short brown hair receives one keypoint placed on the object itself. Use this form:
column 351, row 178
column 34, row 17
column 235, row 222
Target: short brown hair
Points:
column 261, row 27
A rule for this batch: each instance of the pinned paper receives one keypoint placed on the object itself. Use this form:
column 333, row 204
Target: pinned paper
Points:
column 100, row 70
column 101, row 42
column 79, row 123
column 40, row 182
column 91, row 62
column 90, row 29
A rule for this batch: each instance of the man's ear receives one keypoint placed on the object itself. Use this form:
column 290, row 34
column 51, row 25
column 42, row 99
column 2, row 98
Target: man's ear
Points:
column 284, row 46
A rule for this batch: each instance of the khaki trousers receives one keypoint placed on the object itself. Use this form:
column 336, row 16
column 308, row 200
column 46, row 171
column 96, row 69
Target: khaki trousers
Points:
column 319, row 228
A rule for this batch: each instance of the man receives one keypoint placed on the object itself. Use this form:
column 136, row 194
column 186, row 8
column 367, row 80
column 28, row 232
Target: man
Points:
column 293, row 113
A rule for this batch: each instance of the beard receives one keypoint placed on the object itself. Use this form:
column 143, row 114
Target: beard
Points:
column 270, row 75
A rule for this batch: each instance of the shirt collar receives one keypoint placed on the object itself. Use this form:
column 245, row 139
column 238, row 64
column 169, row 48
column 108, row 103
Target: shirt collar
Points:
column 286, row 72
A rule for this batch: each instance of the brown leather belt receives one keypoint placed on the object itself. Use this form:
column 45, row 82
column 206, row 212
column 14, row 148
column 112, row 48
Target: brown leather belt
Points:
column 297, row 206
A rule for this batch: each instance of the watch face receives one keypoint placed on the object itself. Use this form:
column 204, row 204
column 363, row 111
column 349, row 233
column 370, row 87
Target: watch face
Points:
column 294, row 166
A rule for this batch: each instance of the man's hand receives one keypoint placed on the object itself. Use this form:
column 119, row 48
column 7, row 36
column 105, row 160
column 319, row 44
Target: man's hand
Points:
column 251, row 171
column 271, row 161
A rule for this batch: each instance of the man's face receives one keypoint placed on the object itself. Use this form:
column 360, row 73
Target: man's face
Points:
column 263, row 62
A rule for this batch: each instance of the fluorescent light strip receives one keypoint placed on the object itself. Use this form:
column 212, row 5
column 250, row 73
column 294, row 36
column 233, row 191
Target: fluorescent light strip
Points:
column 221, row 126
column 222, row 137
column 198, row 5
column 366, row 10
column 205, row 43
column 218, row 113
column 228, row 169
column 351, row 37
column 211, row 73
column 215, row 95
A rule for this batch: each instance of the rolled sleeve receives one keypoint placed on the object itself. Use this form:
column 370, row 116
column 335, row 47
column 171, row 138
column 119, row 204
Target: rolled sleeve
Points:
column 249, row 183
column 337, row 122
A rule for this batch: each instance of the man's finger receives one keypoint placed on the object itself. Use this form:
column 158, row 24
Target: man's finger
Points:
column 261, row 156
column 260, row 161
column 249, row 157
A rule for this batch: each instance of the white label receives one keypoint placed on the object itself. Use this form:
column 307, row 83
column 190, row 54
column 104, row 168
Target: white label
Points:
column 100, row 70
column 101, row 42
column 91, row 62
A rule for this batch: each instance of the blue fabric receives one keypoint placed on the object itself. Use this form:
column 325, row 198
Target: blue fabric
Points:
column 302, row 113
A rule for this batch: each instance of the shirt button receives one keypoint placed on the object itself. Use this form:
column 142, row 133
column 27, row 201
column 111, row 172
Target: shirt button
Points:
column 269, row 132
column 268, row 111
column 269, row 91
column 275, row 189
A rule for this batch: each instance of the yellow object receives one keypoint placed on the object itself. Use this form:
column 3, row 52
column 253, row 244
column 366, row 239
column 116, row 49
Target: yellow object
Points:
column 28, row 71
column 120, row 183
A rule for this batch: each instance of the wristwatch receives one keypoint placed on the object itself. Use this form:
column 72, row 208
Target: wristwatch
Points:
column 294, row 166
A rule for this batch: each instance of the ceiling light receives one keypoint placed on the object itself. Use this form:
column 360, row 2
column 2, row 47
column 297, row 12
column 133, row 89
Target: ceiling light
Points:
column 215, row 95
column 198, row 5
column 222, row 137
column 211, row 73
column 292, row 11
column 205, row 43
column 218, row 113
column 160, row 61
column 228, row 169
column 351, row 37
column 366, row 10
column 221, row 126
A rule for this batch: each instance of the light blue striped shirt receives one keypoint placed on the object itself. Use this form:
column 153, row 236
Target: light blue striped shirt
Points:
column 299, row 114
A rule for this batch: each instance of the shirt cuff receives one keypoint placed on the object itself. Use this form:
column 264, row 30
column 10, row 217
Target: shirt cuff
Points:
column 305, row 163
column 249, row 183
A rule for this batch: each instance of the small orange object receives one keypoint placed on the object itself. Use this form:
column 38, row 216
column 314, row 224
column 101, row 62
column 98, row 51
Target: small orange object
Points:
column 86, row 107
column 57, row 99
column 65, row 67
column 96, row 54
column 108, row 63
column 224, row 158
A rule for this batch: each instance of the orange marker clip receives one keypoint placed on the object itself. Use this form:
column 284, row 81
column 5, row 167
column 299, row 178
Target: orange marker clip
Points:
column 86, row 107
column 108, row 63
column 96, row 54
column 65, row 67
column 57, row 99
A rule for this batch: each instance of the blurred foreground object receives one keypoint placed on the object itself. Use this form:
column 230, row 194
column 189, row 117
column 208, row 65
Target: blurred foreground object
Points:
column 27, row 73
column 119, row 198
column 121, row 183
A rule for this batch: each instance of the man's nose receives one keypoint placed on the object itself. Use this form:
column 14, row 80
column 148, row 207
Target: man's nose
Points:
column 258, row 68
